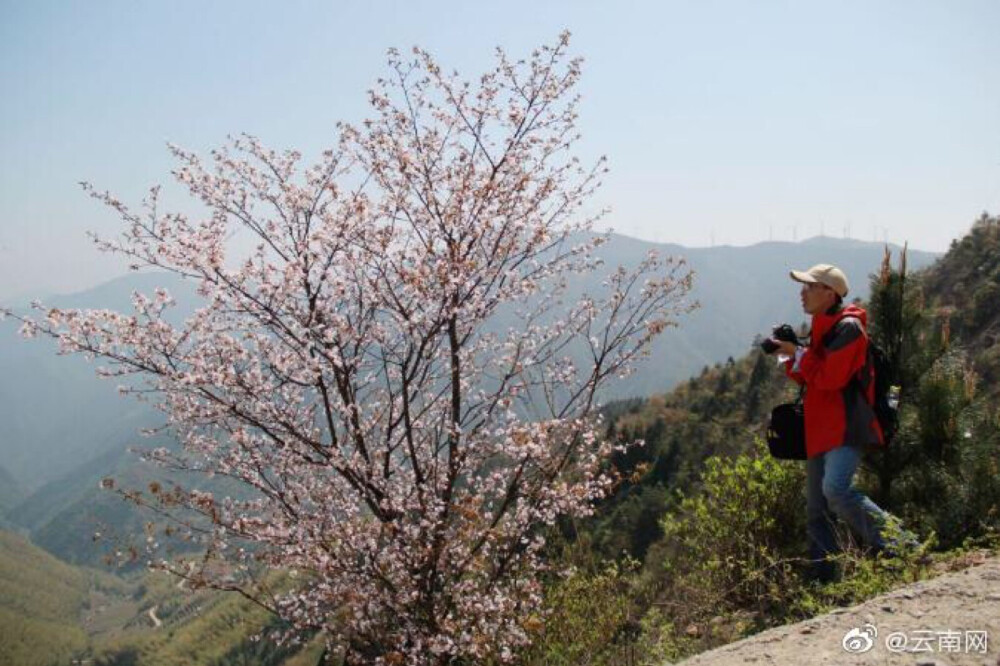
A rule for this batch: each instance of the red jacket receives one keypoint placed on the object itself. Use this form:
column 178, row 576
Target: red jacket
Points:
column 838, row 410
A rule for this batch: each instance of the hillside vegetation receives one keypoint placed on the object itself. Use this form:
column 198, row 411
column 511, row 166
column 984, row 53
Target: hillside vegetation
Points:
column 53, row 613
column 704, row 540
column 41, row 600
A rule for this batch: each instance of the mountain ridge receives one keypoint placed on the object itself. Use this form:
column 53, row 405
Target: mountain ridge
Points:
column 55, row 414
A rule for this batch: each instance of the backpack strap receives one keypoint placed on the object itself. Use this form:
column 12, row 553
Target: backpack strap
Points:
column 828, row 337
column 833, row 329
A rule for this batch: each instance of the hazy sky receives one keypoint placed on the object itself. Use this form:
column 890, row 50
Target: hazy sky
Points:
column 724, row 121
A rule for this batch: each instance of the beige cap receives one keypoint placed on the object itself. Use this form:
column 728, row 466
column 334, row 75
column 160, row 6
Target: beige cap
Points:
column 826, row 274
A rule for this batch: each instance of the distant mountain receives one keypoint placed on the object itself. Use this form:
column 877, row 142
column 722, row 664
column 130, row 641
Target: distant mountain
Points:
column 56, row 415
column 39, row 508
column 743, row 291
column 11, row 491
column 63, row 515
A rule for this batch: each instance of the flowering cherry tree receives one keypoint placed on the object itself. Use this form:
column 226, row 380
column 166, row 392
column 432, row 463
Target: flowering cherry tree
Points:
column 400, row 445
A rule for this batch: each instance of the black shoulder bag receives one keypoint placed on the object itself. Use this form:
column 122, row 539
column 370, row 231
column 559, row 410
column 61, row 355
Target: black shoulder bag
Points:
column 786, row 431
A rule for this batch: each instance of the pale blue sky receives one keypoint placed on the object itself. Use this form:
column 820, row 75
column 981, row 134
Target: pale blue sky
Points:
column 724, row 121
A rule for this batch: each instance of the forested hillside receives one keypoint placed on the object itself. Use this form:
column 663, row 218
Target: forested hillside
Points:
column 62, row 429
column 964, row 291
column 53, row 613
column 41, row 604
column 704, row 540
column 717, row 413
column 701, row 542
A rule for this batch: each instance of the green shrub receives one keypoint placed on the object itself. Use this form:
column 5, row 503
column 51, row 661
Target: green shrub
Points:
column 985, row 304
column 586, row 610
column 733, row 555
column 731, row 544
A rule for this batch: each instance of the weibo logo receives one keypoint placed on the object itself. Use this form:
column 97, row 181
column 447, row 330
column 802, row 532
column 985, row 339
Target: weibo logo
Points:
column 858, row 641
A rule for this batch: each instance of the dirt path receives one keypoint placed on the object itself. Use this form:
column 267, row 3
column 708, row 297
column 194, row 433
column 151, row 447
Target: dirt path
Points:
column 157, row 623
column 952, row 619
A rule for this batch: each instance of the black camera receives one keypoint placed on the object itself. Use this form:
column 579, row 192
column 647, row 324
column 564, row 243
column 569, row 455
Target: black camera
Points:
column 785, row 333
column 782, row 333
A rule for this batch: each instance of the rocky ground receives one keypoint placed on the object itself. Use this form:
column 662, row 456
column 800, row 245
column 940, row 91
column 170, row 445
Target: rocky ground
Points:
column 951, row 619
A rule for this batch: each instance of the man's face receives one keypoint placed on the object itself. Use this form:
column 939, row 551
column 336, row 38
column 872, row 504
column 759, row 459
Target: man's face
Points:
column 817, row 298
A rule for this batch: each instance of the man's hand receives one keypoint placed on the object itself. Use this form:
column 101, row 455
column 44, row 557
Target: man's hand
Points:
column 786, row 348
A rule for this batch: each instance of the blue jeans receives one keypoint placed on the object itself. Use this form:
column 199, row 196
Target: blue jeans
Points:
column 830, row 492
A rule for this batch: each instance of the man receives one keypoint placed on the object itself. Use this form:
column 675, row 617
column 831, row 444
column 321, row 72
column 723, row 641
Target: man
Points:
column 839, row 419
